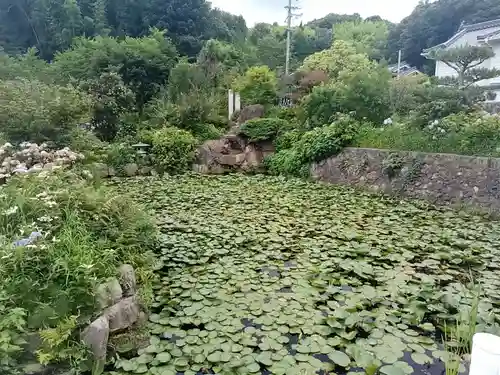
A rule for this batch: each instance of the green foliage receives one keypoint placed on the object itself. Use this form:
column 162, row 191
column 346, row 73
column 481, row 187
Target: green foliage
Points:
column 217, row 59
column 12, row 329
column 61, row 344
column 364, row 95
column 312, row 146
column 185, row 77
column 263, row 129
column 405, row 93
column 51, row 25
column 86, row 232
column 143, row 63
column 34, row 111
column 206, row 132
column 87, row 143
column 466, row 134
column 368, row 37
column 173, row 149
column 28, row 66
column 110, row 98
column 287, row 139
column 257, row 86
column 464, row 61
column 341, row 59
column 191, row 111
column 117, row 155
column 435, row 102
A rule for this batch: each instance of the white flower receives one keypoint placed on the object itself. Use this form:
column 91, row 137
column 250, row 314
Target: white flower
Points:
column 434, row 137
column 443, row 131
column 388, row 121
column 11, row 211
column 435, row 122
column 45, row 219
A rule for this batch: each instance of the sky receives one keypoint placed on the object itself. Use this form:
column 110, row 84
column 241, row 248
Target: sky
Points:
column 273, row 10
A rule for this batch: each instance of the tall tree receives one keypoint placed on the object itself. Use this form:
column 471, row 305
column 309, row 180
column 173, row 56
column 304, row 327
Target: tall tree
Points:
column 328, row 21
column 369, row 37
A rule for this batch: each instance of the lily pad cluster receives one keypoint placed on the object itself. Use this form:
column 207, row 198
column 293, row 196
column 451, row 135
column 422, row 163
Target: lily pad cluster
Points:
column 265, row 275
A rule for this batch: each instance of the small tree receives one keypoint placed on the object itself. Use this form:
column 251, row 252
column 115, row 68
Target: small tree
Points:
column 257, row 86
column 465, row 60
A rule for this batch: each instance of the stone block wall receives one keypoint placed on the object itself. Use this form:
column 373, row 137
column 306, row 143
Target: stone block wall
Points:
column 438, row 178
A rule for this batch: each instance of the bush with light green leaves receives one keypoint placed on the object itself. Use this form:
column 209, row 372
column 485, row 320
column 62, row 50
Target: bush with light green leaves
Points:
column 264, row 129
column 311, row 146
column 173, row 149
column 37, row 112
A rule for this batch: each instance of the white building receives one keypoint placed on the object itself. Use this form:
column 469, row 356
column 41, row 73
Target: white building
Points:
column 484, row 33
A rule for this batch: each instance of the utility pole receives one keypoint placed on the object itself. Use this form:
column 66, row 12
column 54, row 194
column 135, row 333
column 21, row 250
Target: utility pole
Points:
column 289, row 17
column 399, row 62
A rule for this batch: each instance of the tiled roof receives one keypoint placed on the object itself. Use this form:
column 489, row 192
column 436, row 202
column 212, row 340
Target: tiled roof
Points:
column 465, row 29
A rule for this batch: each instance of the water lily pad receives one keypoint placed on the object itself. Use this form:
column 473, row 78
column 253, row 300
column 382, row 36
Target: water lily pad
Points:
column 164, row 357
column 264, row 358
column 421, row 359
column 391, row 370
column 215, row 357
column 339, row 358
column 253, row 368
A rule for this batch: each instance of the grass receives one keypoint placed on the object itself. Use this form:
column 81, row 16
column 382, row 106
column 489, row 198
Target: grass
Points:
column 458, row 337
column 86, row 233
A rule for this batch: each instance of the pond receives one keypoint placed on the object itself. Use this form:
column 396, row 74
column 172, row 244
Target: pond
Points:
column 274, row 276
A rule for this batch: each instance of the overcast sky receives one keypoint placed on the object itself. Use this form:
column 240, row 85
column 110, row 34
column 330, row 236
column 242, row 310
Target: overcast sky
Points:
column 273, row 10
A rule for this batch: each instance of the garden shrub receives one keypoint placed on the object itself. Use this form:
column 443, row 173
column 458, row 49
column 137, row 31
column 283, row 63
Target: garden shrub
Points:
column 258, row 86
column 188, row 112
column 83, row 233
column 404, row 93
column 437, row 102
column 312, row 146
column 87, row 143
column 364, row 95
column 287, row 139
column 263, row 129
column 290, row 114
column 37, row 112
column 118, row 155
column 110, row 98
column 173, row 149
column 341, row 58
column 185, row 77
column 206, row 132
column 463, row 133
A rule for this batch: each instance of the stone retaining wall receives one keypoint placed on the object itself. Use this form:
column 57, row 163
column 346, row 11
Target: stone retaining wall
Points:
column 439, row 178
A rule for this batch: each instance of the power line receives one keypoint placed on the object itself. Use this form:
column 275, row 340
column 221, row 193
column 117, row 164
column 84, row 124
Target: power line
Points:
column 289, row 18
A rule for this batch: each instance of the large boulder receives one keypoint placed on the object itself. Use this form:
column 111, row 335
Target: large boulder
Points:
column 95, row 336
column 127, row 280
column 131, row 169
column 123, row 314
column 109, row 293
column 251, row 112
column 231, row 160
